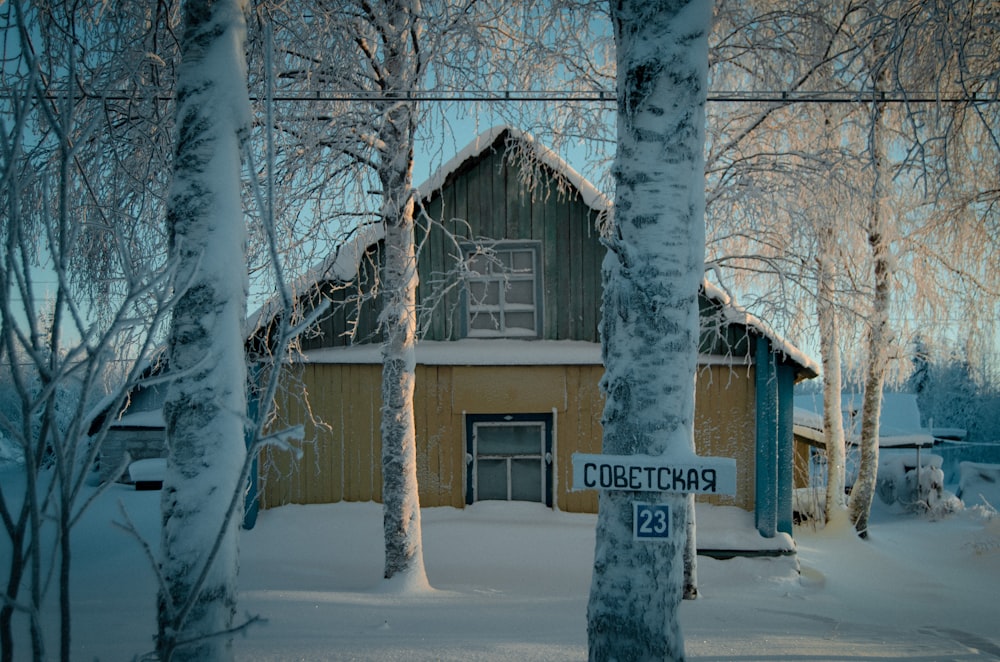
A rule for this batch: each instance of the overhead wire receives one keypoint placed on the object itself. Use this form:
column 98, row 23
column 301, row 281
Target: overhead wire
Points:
column 587, row 96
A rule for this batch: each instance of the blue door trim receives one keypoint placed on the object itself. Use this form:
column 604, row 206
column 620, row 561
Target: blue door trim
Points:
column 470, row 465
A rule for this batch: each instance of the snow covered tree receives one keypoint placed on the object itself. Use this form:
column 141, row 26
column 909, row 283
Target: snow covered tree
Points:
column 205, row 408
column 903, row 223
column 949, row 142
column 833, row 422
column 649, row 326
column 878, row 336
column 784, row 184
column 387, row 55
column 56, row 351
column 952, row 393
column 398, row 68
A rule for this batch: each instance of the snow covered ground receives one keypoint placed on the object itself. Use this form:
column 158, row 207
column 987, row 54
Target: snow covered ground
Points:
column 511, row 583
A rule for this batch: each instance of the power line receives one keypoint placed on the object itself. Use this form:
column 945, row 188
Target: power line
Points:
column 584, row 96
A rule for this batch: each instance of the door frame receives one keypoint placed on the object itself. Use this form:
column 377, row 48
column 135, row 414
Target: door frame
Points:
column 546, row 420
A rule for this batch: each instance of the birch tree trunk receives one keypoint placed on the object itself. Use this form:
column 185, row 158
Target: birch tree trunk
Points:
column 649, row 326
column 833, row 420
column 863, row 491
column 205, row 407
column 860, row 503
column 400, row 31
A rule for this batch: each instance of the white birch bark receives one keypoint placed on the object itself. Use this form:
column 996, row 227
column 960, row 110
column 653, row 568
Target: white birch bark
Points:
column 863, row 491
column 833, row 421
column 400, row 31
column 652, row 272
column 878, row 337
column 205, row 407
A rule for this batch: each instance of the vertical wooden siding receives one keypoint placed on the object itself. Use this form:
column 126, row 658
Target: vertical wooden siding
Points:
column 487, row 200
column 340, row 455
column 341, row 459
column 725, row 425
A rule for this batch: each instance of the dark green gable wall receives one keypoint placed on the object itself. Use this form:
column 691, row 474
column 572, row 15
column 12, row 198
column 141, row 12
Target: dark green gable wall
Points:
column 485, row 199
column 353, row 312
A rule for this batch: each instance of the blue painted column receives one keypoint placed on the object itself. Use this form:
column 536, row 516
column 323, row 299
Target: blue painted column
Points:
column 786, row 447
column 765, row 470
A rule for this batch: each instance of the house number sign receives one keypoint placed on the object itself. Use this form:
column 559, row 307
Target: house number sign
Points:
column 651, row 521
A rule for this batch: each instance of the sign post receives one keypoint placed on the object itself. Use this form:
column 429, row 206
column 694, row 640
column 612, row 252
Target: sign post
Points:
column 646, row 473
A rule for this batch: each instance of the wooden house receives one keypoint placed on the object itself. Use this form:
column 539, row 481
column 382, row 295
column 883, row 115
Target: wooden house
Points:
column 509, row 360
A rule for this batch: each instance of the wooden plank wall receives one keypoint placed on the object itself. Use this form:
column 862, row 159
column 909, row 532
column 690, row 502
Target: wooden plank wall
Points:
column 579, row 431
column 725, row 425
column 340, row 456
column 440, row 455
column 486, row 199
column 341, row 459
column 353, row 313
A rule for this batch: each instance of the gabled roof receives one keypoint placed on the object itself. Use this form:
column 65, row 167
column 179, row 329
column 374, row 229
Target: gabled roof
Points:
column 736, row 314
column 486, row 141
column 343, row 264
column 596, row 200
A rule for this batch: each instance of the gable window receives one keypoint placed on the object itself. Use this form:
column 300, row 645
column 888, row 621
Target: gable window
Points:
column 503, row 291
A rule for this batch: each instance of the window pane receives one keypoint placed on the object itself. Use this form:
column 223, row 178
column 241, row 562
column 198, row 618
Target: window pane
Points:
column 480, row 264
column 520, row 291
column 484, row 322
column 525, row 320
column 477, row 291
column 523, row 261
column 491, row 479
column 508, row 439
column 526, row 480
column 484, row 293
column 502, row 292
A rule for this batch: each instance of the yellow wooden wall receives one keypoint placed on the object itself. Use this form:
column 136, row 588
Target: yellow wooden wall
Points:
column 340, row 458
column 725, row 426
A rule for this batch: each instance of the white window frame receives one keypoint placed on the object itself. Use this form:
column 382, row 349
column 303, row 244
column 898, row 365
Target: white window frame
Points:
column 496, row 273
column 545, row 423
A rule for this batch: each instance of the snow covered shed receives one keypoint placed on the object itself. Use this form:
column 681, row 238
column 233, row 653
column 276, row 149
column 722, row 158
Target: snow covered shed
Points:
column 900, row 428
column 136, row 434
column 509, row 359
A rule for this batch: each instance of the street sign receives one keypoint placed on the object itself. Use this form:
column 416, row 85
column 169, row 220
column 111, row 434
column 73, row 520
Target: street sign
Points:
column 647, row 473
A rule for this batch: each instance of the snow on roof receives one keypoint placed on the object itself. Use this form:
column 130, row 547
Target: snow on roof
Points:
column 735, row 313
column 149, row 469
column 949, row 434
column 899, row 422
column 340, row 266
column 473, row 351
column 590, row 195
column 479, row 352
column 900, row 415
column 141, row 419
